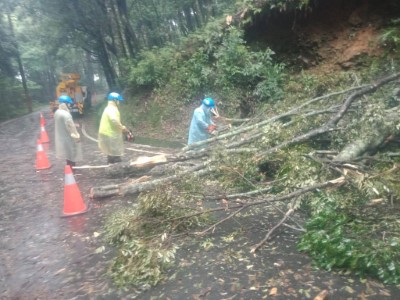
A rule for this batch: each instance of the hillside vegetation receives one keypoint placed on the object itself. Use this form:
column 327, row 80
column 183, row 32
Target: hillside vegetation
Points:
column 316, row 88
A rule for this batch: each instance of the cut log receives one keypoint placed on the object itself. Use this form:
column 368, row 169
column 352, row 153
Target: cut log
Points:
column 145, row 151
column 135, row 187
column 374, row 140
column 141, row 162
column 90, row 167
column 138, row 167
column 104, row 191
column 144, row 164
column 114, row 189
column 359, row 148
column 144, row 161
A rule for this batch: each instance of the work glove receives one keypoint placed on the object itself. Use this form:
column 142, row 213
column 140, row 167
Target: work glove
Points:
column 211, row 128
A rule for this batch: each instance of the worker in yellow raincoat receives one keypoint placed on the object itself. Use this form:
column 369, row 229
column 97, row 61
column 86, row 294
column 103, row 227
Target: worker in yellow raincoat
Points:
column 67, row 138
column 111, row 140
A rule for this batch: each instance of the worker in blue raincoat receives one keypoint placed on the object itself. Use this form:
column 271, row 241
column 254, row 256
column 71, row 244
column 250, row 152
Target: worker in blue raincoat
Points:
column 111, row 130
column 67, row 138
column 201, row 126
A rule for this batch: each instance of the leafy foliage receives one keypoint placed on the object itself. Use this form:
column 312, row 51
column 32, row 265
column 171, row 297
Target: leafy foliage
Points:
column 221, row 66
column 390, row 37
column 143, row 236
column 237, row 172
column 11, row 89
column 353, row 241
column 152, row 68
column 341, row 220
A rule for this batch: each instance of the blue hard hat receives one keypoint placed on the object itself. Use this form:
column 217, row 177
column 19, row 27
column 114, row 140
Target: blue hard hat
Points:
column 114, row 96
column 208, row 102
column 65, row 99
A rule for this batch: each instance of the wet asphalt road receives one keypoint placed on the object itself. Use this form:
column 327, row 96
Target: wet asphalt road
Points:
column 42, row 255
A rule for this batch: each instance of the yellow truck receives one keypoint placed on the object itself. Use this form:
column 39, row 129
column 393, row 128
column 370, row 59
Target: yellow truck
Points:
column 69, row 85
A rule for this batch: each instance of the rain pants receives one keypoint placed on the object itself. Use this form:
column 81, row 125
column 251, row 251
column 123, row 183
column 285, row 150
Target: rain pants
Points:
column 111, row 140
column 198, row 127
column 66, row 136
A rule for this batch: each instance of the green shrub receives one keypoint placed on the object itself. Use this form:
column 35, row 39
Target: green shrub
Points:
column 221, row 65
column 11, row 89
column 152, row 68
column 342, row 240
column 390, row 37
column 142, row 235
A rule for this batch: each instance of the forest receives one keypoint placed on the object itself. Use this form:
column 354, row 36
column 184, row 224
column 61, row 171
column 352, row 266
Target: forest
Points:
column 309, row 95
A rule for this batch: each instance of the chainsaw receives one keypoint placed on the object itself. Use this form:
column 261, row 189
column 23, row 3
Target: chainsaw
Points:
column 129, row 137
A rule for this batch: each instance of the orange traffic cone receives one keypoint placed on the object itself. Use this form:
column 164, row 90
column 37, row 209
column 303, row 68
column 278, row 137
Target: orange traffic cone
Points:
column 44, row 138
column 41, row 158
column 42, row 120
column 73, row 202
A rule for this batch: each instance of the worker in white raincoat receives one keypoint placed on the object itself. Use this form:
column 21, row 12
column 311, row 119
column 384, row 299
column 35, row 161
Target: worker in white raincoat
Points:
column 67, row 138
column 202, row 127
column 110, row 131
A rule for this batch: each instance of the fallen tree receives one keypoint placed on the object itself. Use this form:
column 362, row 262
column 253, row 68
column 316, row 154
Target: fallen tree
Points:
column 135, row 187
column 144, row 165
column 320, row 152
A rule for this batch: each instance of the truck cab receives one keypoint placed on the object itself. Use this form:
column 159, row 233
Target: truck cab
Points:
column 69, row 85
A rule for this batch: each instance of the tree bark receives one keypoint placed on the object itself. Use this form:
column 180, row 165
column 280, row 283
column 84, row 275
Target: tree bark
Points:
column 28, row 99
column 135, row 188
column 370, row 144
column 139, row 167
column 360, row 147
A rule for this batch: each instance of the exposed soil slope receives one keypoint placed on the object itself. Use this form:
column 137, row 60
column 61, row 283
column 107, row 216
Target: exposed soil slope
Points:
column 331, row 36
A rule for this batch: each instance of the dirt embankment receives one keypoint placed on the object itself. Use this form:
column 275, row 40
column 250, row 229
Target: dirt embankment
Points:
column 331, row 36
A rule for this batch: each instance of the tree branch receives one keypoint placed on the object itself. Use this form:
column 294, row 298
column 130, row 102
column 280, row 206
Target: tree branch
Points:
column 256, row 247
column 331, row 124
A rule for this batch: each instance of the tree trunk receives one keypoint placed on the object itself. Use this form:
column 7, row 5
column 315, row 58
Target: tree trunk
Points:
column 135, row 188
column 188, row 18
column 138, row 167
column 130, row 40
column 104, row 59
column 359, row 148
column 28, row 99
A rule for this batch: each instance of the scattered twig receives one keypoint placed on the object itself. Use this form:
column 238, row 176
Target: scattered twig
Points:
column 212, row 227
column 331, row 183
column 256, row 247
column 294, row 228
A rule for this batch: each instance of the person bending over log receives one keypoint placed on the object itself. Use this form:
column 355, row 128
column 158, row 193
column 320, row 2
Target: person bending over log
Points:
column 201, row 126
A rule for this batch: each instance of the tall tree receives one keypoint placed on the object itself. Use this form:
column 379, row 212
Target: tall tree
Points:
column 111, row 32
column 28, row 99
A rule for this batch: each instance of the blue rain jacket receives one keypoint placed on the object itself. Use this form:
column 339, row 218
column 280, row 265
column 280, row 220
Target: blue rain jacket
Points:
column 198, row 127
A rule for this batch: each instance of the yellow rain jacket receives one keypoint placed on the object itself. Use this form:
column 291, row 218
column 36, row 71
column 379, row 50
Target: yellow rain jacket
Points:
column 110, row 131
